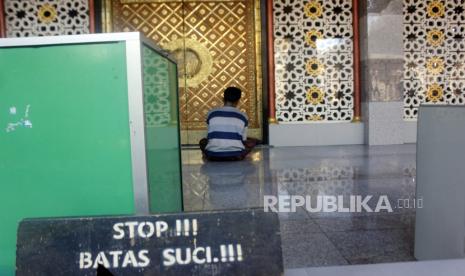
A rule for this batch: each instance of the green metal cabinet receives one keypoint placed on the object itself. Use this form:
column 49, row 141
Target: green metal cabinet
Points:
column 88, row 126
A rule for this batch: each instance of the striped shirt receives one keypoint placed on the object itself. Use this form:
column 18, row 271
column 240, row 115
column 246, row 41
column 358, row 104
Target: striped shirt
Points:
column 227, row 128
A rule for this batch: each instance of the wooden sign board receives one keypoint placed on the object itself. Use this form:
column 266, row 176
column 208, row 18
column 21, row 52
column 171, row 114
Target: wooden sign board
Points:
column 208, row 243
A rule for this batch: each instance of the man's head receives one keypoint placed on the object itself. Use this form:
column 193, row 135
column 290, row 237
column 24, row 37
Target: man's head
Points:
column 232, row 95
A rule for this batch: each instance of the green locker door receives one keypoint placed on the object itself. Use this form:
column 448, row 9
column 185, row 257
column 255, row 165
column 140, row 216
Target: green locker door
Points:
column 64, row 136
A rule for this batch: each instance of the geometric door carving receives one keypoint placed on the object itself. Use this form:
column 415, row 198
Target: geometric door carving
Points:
column 216, row 44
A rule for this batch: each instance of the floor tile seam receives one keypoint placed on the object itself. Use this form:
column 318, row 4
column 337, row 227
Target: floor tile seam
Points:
column 365, row 230
column 355, row 179
column 383, row 229
column 327, row 237
column 339, row 249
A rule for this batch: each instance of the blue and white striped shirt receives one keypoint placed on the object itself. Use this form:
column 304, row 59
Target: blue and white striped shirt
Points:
column 227, row 128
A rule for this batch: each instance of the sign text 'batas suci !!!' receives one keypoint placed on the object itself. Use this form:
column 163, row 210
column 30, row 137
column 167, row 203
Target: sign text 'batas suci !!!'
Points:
column 140, row 258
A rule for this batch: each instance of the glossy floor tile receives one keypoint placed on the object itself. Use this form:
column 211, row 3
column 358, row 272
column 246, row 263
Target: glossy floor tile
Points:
column 317, row 238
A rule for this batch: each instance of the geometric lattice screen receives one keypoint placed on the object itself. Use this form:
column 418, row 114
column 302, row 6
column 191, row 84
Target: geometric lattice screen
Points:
column 434, row 48
column 157, row 106
column 313, row 60
column 42, row 17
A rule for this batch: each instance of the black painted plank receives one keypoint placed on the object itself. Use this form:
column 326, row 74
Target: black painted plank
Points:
column 220, row 243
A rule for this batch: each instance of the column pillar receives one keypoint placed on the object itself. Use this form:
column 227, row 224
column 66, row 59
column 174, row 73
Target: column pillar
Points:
column 382, row 71
column 271, row 76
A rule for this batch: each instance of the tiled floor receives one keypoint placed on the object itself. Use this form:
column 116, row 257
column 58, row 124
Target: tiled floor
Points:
column 316, row 239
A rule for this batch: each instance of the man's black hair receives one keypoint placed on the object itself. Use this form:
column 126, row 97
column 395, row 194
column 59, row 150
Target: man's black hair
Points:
column 232, row 94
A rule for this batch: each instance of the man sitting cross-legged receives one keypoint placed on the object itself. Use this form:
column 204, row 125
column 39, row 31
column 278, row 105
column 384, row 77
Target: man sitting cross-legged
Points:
column 227, row 131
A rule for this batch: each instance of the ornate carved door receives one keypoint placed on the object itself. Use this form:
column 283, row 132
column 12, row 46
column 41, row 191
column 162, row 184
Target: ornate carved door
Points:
column 217, row 43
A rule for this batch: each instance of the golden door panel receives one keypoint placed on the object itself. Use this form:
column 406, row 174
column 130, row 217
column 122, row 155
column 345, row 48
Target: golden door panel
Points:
column 216, row 43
